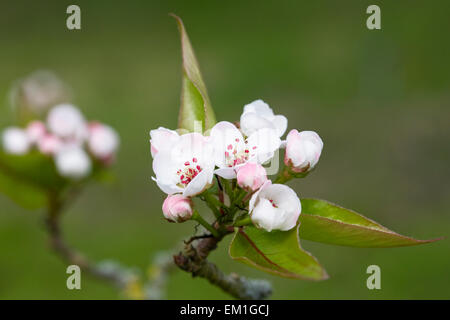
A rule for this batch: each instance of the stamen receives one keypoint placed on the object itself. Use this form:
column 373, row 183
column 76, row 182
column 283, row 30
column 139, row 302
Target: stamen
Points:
column 188, row 173
column 273, row 204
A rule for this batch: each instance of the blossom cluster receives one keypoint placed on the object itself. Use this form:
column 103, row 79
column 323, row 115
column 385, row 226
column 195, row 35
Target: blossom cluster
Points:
column 68, row 138
column 185, row 165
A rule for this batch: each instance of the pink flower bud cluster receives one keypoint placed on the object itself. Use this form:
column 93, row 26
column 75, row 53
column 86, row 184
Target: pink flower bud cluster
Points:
column 68, row 138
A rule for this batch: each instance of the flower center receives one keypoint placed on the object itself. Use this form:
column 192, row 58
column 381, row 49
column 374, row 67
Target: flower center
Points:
column 188, row 172
column 233, row 156
column 273, row 203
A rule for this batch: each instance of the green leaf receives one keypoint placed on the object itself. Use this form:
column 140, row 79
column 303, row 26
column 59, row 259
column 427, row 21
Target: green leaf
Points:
column 28, row 179
column 195, row 111
column 326, row 222
column 34, row 167
column 276, row 252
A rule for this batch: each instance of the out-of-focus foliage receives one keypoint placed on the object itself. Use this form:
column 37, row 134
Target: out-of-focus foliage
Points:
column 28, row 179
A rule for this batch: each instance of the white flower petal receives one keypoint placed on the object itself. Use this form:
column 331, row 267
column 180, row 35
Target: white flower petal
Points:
column 265, row 215
column 165, row 169
column 285, row 198
column 251, row 122
column 162, row 139
column 263, row 143
column 260, row 107
column 280, row 122
column 198, row 184
column 275, row 207
column 258, row 115
column 226, row 138
column 168, row 188
column 255, row 196
column 226, row 173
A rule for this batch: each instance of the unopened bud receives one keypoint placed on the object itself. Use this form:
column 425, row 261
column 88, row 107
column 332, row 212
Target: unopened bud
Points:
column 303, row 150
column 35, row 131
column 67, row 122
column 49, row 144
column 73, row 162
column 103, row 140
column 251, row 176
column 15, row 141
column 177, row 208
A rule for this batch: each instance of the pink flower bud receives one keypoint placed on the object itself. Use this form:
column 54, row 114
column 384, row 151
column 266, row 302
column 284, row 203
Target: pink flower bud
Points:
column 303, row 150
column 49, row 144
column 177, row 208
column 251, row 176
column 103, row 141
column 35, row 131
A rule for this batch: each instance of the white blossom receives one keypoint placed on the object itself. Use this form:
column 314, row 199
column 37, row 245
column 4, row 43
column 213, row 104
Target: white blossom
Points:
column 231, row 150
column 187, row 167
column 258, row 115
column 15, row 141
column 275, row 207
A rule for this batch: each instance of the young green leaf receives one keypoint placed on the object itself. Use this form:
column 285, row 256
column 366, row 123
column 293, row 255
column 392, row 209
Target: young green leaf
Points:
column 195, row 109
column 326, row 222
column 276, row 252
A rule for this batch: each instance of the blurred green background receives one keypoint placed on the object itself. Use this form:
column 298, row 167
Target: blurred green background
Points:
column 379, row 99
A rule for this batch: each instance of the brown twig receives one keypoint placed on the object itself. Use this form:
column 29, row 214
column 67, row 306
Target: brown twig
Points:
column 70, row 255
column 193, row 259
column 159, row 272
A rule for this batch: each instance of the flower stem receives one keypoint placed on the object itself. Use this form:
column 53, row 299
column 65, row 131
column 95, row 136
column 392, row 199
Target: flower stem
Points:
column 213, row 204
column 197, row 217
column 228, row 189
column 68, row 254
column 284, row 176
column 241, row 194
column 243, row 222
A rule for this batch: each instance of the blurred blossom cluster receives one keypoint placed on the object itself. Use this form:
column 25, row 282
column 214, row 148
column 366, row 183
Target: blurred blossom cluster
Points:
column 185, row 165
column 67, row 137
